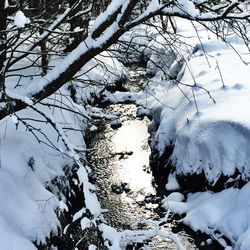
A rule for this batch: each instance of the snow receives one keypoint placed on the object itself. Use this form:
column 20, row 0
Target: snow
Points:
column 92, row 247
column 93, row 128
column 188, row 7
column 206, row 102
column 90, row 197
column 6, row 4
column 203, row 117
column 172, row 183
column 174, row 196
column 11, row 239
column 79, row 214
column 29, row 209
column 85, row 223
column 119, row 240
column 20, row 19
column 111, row 9
column 219, row 214
column 32, row 165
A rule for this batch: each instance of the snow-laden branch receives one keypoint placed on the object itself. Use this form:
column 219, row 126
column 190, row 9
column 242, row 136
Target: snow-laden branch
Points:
column 43, row 36
column 119, row 240
column 107, row 29
column 192, row 14
column 189, row 10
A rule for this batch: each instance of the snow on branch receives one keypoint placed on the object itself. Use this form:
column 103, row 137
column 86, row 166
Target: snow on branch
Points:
column 107, row 29
column 43, row 36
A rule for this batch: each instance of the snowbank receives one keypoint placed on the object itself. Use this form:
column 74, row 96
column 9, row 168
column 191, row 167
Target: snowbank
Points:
column 203, row 116
column 223, row 214
column 199, row 99
column 34, row 154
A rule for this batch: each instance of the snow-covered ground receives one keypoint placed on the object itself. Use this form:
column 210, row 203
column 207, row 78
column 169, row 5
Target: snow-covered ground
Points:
column 204, row 113
column 199, row 101
column 204, row 117
column 34, row 153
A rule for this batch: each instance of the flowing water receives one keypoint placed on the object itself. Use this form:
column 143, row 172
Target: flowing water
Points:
column 122, row 175
column 121, row 165
column 124, row 182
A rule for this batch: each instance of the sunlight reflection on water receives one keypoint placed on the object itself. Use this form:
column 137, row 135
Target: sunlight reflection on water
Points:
column 122, row 156
column 132, row 136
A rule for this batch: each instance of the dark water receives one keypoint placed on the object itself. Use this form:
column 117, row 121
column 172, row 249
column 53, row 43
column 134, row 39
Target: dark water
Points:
column 123, row 178
column 121, row 165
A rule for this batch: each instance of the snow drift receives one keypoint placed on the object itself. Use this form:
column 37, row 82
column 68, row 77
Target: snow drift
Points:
column 203, row 116
column 34, row 156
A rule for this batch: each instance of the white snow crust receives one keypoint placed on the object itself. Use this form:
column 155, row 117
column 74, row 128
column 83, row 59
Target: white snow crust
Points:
column 20, row 19
column 28, row 211
column 201, row 110
column 205, row 119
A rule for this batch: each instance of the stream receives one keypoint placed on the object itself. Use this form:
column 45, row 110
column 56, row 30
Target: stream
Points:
column 121, row 166
column 122, row 175
column 124, row 182
column 125, row 185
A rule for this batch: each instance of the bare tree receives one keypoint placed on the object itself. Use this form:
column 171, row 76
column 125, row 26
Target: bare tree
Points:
column 119, row 17
column 30, row 47
column 3, row 38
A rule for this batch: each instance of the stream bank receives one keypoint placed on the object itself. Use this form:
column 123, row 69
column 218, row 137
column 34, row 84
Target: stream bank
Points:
column 124, row 182
column 129, row 184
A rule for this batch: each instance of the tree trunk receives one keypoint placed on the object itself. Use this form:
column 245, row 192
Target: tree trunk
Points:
column 78, row 21
column 3, row 36
column 44, row 56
